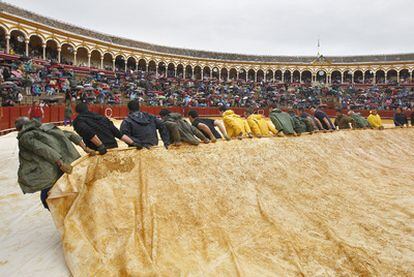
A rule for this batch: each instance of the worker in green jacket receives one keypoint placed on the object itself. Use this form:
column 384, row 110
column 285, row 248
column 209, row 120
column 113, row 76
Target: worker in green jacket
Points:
column 360, row 122
column 45, row 153
column 283, row 122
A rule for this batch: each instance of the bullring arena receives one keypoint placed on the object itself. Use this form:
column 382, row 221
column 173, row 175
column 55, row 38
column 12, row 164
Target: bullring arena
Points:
column 337, row 203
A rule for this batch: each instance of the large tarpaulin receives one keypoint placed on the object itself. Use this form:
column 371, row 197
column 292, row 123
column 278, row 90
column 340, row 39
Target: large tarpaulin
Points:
column 330, row 204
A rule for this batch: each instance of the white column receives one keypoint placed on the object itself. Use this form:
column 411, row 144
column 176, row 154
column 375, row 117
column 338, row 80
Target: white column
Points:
column 255, row 76
column 283, row 77
column 8, row 44
column 102, row 62
column 342, row 77
column 237, row 75
column 59, row 50
column 27, row 47
column 398, row 76
column 75, row 53
column 126, row 66
column 300, row 77
column 89, row 59
column 411, row 76
column 374, row 80
column 44, row 50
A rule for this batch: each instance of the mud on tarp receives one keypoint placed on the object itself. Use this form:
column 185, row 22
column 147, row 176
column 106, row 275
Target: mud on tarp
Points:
column 330, row 204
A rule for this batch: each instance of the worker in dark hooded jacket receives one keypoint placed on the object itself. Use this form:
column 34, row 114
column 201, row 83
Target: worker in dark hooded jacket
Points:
column 142, row 127
column 97, row 131
column 300, row 125
column 180, row 130
column 45, row 153
column 323, row 118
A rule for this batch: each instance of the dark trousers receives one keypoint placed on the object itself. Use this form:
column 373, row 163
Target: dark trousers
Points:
column 43, row 197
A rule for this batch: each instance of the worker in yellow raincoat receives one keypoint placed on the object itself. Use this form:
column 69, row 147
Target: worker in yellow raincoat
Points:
column 259, row 125
column 374, row 120
column 236, row 126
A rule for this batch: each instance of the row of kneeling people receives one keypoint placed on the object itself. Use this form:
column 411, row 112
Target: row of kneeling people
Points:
column 46, row 152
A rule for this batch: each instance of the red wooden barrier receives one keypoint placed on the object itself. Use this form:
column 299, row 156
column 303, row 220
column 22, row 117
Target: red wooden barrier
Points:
column 55, row 113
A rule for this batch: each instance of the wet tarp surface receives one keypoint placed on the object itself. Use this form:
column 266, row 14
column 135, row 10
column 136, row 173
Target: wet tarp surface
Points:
column 331, row 204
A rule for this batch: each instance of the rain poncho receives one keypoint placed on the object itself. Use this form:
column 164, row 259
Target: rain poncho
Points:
column 283, row 122
column 235, row 125
column 260, row 126
column 374, row 120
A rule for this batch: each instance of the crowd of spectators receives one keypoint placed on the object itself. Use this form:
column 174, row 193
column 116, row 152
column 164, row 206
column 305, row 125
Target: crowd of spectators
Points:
column 22, row 81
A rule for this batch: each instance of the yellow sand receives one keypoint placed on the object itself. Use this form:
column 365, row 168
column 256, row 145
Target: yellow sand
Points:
column 328, row 204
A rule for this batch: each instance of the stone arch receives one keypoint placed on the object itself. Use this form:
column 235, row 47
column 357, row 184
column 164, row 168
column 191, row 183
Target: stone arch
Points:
column 232, row 74
column 392, row 75
column 206, row 72
column 306, row 76
column 380, row 76
column 67, row 53
column 287, row 76
column 260, row 75
column 171, row 70
column 336, row 77
column 347, row 76
column 36, row 47
column 242, row 74
column 358, row 77
column 269, row 75
column 404, row 75
column 52, row 49
column 296, row 76
column 321, row 76
column 224, row 74
column 3, row 32
column 251, row 75
column 162, row 68
column 108, row 61
column 215, row 73
column 120, row 62
column 198, row 72
column 132, row 63
column 96, row 58
column 152, row 66
column 142, row 65
column 278, row 75
column 180, row 71
column 188, row 74
column 82, row 56
column 18, row 42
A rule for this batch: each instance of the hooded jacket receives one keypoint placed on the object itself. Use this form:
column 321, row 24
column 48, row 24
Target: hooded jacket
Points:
column 40, row 147
column 181, row 130
column 374, row 120
column 342, row 121
column 259, row 125
column 235, row 125
column 142, row 128
column 89, row 124
column 359, row 121
column 282, row 121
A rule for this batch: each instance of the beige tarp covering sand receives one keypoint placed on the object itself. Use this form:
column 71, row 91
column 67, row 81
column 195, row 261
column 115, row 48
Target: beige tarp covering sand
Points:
column 331, row 204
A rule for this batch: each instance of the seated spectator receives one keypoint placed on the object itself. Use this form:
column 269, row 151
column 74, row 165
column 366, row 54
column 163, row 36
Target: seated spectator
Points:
column 259, row 125
column 97, row 131
column 359, row 122
column 208, row 126
column 374, row 120
column 236, row 126
column 400, row 119
column 180, row 130
column 342, row 121
column 323, row 119
column 142, row 127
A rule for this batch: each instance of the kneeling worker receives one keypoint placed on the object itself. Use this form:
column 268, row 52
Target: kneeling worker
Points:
column 180, row 130
column 258, row 124
column 97, row 131
column 45, row 153
column 208, row 126
column 236, row 126
column 374, row 120
column 142, row 127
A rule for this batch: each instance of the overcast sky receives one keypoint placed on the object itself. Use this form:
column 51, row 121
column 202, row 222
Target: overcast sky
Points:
column 268, row 27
